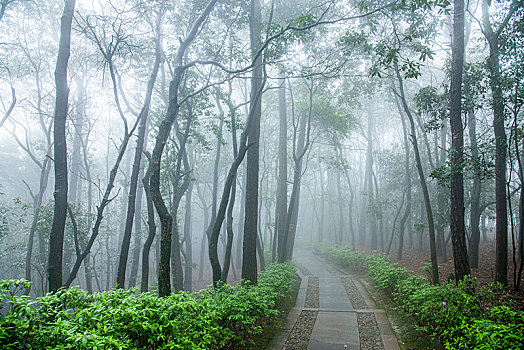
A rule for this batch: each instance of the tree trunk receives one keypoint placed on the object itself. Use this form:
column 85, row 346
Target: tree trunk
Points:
column 350, row 205
column 249, row 247
column 188, row 272
column 144, row 285
column 322, row 204
column 300, row 147
column 407, row 181
column 137, row 244
column 101, row 207
column 166, row 220
column 281, row 206
column 37, row 203
column 340, row 210
column 371, row 215
column 429, row 212
column 179, row 188
column 76, row 162
column 231, row 205
column 56, row 237
column 474, row 219
column 518, row 281
column 240, row 229
column 135, row 172
column 205, row 209
column 457, row 227
column 441, row 200
column 495, row 81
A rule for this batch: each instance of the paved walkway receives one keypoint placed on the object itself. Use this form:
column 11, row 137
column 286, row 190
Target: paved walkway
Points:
column 336, row 325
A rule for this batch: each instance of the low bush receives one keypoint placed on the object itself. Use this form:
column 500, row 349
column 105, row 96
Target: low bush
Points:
column 342, row 255
column 119, row 319
column 458, row 315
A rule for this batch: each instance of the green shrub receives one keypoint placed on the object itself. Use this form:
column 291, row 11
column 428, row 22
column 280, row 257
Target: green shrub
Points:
column 342, row 255
column 119, row 319
column 458, row 315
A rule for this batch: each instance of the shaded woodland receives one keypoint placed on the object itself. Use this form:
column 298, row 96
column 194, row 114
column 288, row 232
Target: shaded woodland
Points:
column 171, row 145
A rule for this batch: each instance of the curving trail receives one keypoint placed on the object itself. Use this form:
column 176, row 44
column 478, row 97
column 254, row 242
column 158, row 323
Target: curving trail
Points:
column 333, row 311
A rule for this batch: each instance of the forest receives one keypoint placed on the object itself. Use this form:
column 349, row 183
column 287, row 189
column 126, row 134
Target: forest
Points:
column 196, row 174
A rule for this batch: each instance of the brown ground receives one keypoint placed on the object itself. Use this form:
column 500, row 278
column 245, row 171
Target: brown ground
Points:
column 414, row 260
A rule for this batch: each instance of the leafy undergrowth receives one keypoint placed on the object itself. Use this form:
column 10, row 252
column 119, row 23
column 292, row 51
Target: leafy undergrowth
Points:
column 227, row 318
column 458, row 315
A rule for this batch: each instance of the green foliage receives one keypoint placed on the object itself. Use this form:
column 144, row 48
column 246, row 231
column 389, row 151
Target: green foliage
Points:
column 458, row 315
column 289, row 34
column 433, row 105
column 119, row 319
column 385, row 274
column 342, row 255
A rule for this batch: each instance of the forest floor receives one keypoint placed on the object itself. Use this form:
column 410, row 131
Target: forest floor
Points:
column 414, row 259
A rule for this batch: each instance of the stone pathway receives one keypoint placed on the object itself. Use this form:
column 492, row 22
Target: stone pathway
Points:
column 326, row 318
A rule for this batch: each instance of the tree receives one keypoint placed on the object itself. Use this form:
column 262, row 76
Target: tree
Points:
column 301, row 143
column 407, row 179
column 56, row 237
column 143, row 117
column 425, row 192
column 166, row 220
column 281, row 205
column 144, row 285
column 457, row 228
column 249, row 249
column 492, row 36
column 3, row 6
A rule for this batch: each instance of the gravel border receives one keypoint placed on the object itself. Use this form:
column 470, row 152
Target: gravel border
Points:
column 299, row 336
column 369, row 332
column 312, row 293
column 354, row 295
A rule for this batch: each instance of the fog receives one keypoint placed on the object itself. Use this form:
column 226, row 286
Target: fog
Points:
column 260, row 126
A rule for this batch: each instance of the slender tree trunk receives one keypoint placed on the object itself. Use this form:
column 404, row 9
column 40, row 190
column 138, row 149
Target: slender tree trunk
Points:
column 351, row 197
column 137, row 244
column 425, row 138
column 231, row 205
column 37, row 203
column 216, row 225
column 144, row 285
column 407, row 181
column 88, row 273
column 371, row 215
column 205, row 209
column 341, row 224
column 379, row 213
column 299, row 151
column 76, row 162
column 142, row 129
column 281, row 207
column 441, row 200
column 215, row 265
column 457, row 227
column 518, row 280
column 474, row 220
column 322, row 205
column 166, row 220
column 188, row 241
column 179, row 188
column 12, row 105
column 429, row 212
column 56, row 237
column 495, row 81
column 241, row 211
